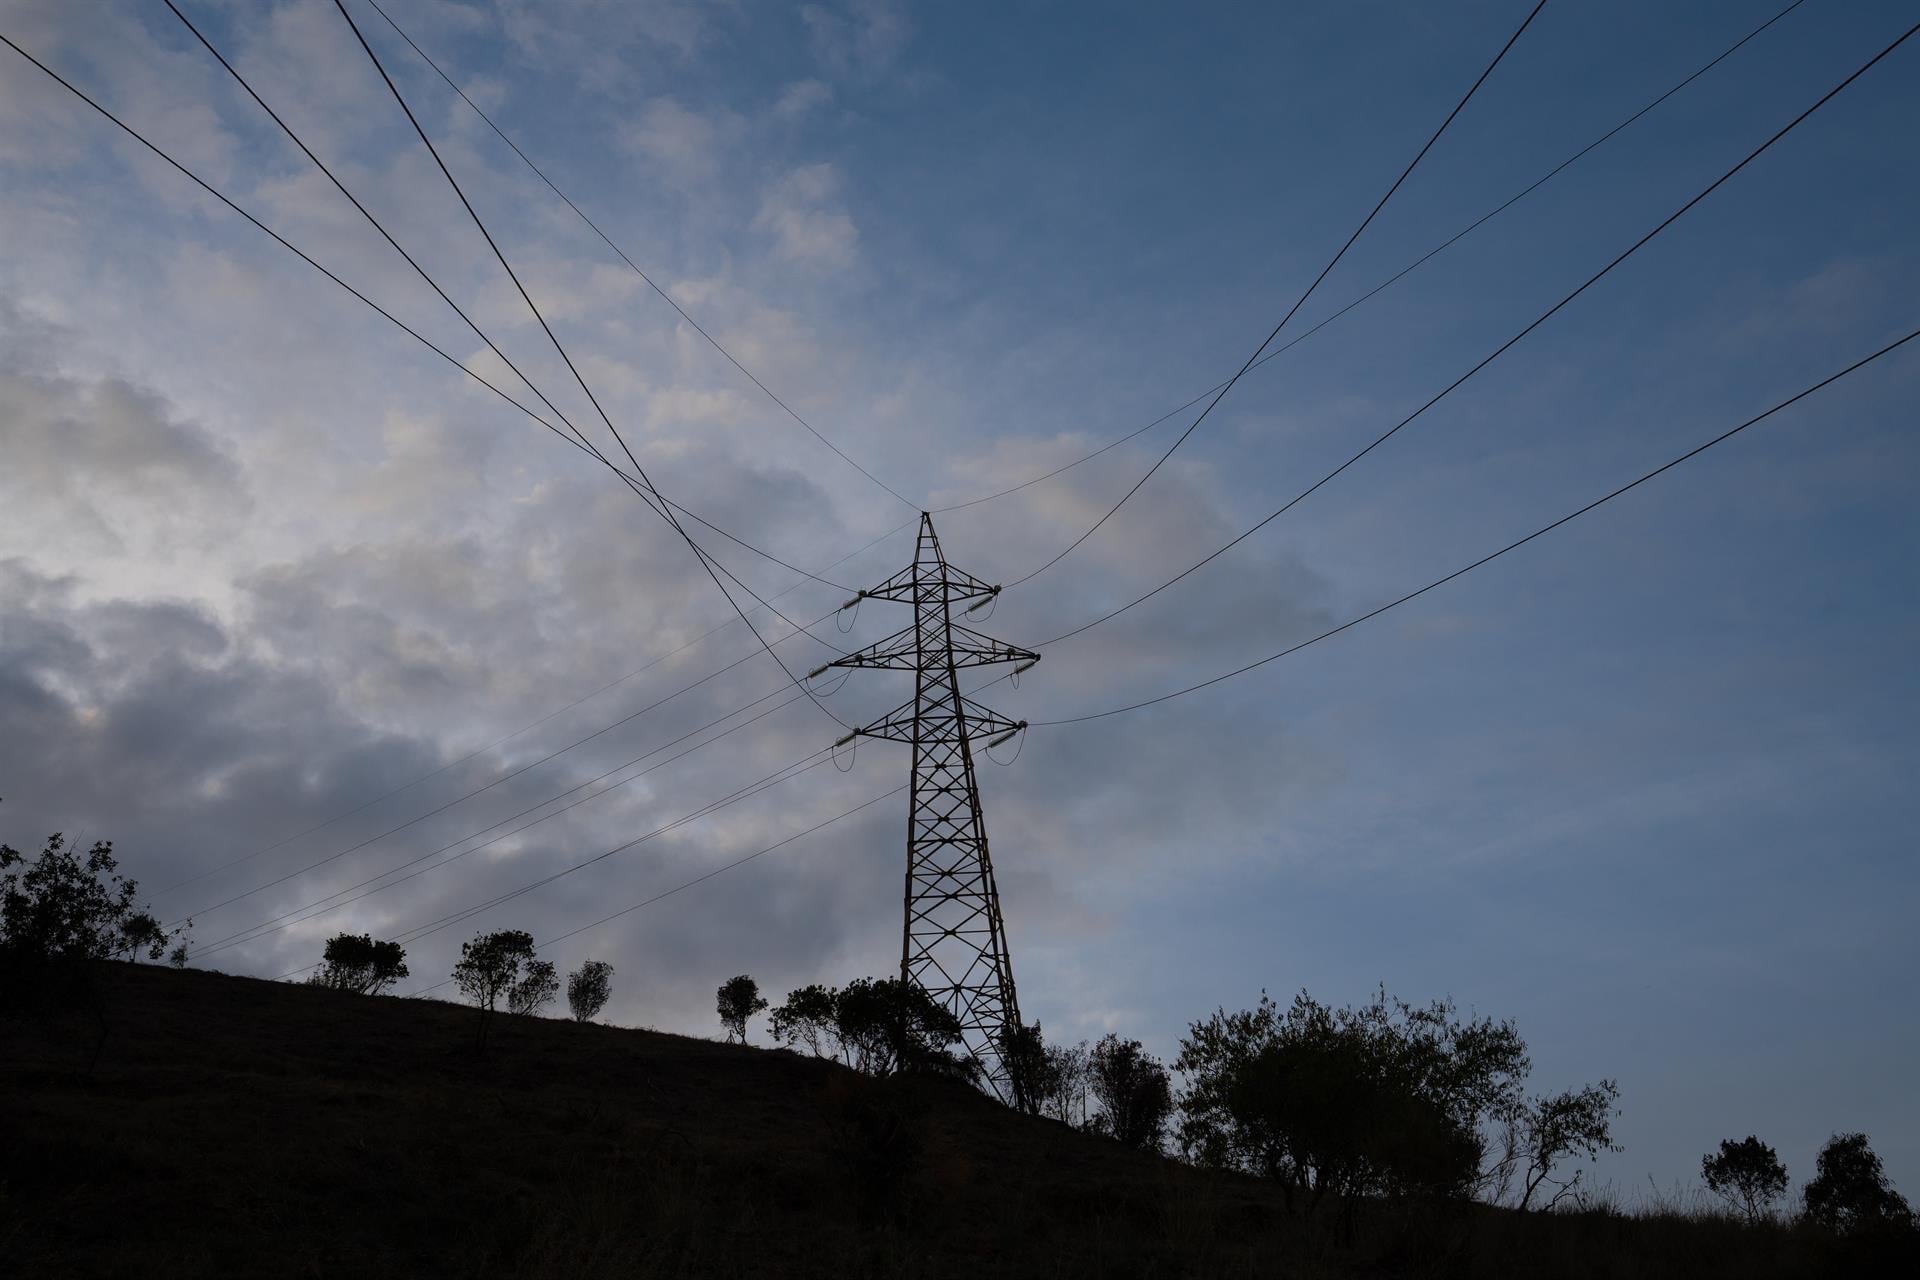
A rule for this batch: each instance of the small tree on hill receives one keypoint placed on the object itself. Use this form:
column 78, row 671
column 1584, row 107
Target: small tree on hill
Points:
column 358, row 963
column 502, row 966
column 809, row 1018
column 890, row 1026
column 537, row 987
column 61, row 910
column 1067, row 1078
column 1850, row 1192
column 1029, row 1067
column 1747, row 1174
column 588, row 989
column 1550, row 1130
column 1379, row 1098
column 738, row 1000
column 877, row 1026
column 1133, row 1091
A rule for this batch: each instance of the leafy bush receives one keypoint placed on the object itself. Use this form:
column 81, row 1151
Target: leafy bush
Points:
column 1383, row 1098
column 738, row 1000
column 1132, row 1089
column 1850, row 1193
column 357, row 963
column 1747, row 1174
column 58, row 912
column 879, row 1026
column 502, row 966
column 588, row 989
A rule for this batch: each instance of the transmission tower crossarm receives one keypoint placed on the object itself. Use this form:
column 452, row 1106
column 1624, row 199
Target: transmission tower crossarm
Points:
column 901, row 651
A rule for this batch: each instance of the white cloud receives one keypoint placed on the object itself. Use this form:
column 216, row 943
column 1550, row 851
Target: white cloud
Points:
column 801, row 211
column 802, row 97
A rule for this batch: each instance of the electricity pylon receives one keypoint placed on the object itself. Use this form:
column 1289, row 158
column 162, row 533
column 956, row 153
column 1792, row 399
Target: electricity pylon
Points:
column 954, row 942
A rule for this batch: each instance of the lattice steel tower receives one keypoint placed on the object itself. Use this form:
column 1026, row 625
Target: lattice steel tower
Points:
column 954, row 941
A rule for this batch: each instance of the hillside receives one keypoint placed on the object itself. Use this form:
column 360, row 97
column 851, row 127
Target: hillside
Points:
column 240, row 1127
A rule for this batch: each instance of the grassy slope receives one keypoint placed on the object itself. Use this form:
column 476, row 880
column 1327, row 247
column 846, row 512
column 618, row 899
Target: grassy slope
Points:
column 246, row 1128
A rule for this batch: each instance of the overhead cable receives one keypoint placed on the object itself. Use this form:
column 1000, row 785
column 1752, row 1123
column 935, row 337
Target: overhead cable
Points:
column 622, row 254
column 1488, row 559
column 1391, row 280
column 666, row 512
column 697, row 880
column 1497, row 352
column 1298, row 303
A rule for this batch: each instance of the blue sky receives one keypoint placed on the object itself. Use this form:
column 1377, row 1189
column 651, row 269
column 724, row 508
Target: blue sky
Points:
column 1641, row 786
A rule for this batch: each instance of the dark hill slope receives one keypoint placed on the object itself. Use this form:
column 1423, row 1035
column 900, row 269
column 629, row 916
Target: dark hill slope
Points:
column 246, row 1128
column 233, row 1127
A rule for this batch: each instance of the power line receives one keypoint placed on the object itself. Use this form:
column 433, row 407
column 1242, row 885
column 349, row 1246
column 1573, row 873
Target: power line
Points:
column 324, row 905
column 649, row 280
column 1544, row 316
column 504, row 777
column 405, row 328
column 446, row 922
column 1488, row 559
column 697, row 880
column 1298, row 303
column 699, row 554
column 503, row 740
column 651, row 492
column 1397, row 276
column 806, row 763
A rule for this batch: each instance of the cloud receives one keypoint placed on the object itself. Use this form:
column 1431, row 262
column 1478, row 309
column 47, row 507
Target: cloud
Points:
column 801, row 212
column 682, row 140
column 801, row 98
column 859, row 39
column 101, row 467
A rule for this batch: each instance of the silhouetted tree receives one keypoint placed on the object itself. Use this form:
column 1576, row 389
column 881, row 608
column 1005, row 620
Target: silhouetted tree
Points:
column 1385, row 1097
column 358, row 963
column 1850, row 1192
column 58, row 911
column 1747, row 1174
column 878, row 1026
column 737, row 1000
column 810, row 1018
column 890, row 1026
column 1133, row 1091
column 588, row 989
column 502, row 966
column 140, row 932
column 1547, row 1131
column 536, row 989
column 1067, row 1073
column 1029, row 1067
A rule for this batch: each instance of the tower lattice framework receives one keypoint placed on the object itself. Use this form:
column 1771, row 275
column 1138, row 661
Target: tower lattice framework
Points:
column 954, row 939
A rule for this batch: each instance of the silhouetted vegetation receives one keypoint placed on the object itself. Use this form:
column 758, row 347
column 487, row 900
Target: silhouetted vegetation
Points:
column 1544, row 1133
column 341, row 1137
column 588, row 989
column 501, row 966
column 1747, row 1175
column 359, row 963
column 1133, row 1091
column 61, row 911
column 877, row 1026
column 1383, row 1099
column 738, row 1000
column 1850, row 1194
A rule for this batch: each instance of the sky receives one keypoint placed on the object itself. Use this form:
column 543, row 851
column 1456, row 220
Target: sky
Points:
column 1643, row 786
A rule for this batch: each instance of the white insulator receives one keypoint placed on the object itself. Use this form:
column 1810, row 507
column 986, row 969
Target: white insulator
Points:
column 818, row 671
column 1007, row 735
column 841, row 742
column 851, row 603
column 1025, row 666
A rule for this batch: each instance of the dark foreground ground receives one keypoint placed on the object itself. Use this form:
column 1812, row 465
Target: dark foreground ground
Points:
column 234, row 1127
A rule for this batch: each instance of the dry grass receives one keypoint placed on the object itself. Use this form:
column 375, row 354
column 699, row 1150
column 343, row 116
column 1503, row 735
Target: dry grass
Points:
column 238, row 1127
